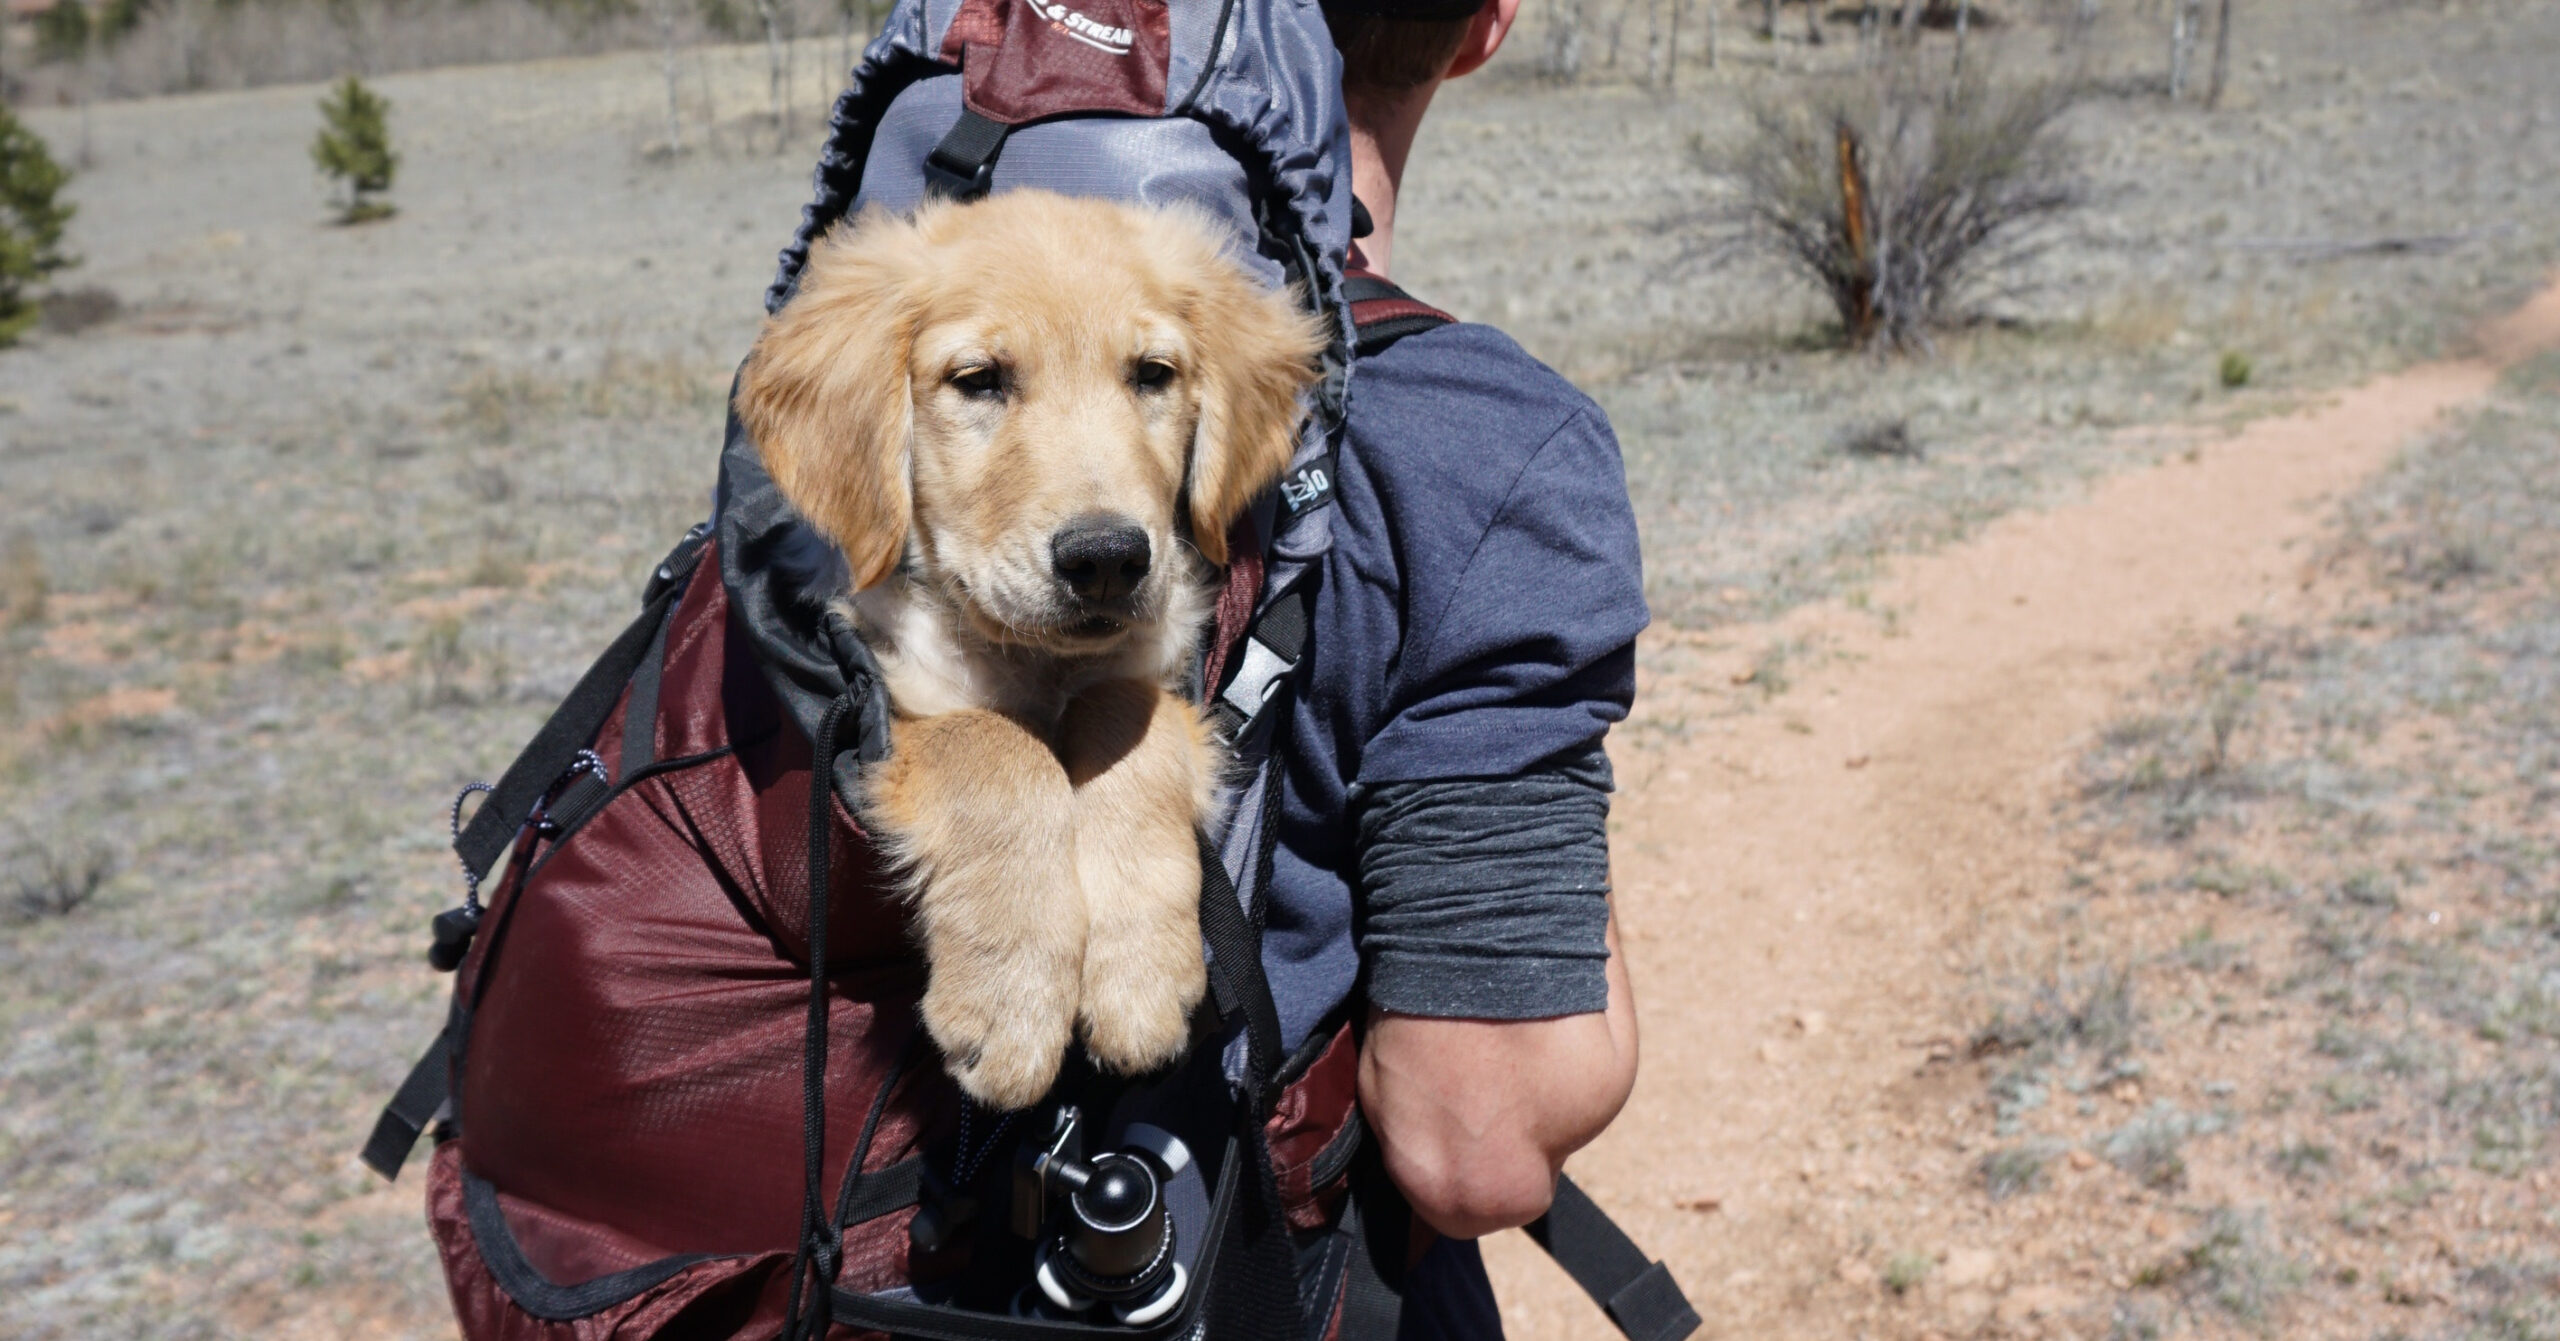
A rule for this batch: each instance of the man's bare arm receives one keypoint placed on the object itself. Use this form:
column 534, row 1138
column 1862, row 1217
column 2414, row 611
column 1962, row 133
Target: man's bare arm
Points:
column 1476, row 1117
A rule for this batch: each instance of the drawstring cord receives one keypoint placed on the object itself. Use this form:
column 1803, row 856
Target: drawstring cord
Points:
column 819, row 1251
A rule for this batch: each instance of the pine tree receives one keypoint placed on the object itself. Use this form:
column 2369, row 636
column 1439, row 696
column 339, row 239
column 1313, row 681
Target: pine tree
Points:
column 354, row 147
column 31, row 223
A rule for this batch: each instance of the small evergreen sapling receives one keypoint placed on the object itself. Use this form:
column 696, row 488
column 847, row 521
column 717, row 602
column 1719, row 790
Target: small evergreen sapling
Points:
column 31, row 223
column 354, row 148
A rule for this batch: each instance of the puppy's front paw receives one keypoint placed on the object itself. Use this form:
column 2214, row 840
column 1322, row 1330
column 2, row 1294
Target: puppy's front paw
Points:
column 1141, row 763
column 1141, row 981
column 979, row 814
column 1002, row 1035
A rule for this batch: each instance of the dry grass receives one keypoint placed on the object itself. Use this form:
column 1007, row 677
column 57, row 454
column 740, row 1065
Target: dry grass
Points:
column 190, row 45
column 2356, row 819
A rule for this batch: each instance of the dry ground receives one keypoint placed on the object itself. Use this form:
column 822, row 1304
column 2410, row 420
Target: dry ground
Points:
column 1920, row 1061
column 328, row 518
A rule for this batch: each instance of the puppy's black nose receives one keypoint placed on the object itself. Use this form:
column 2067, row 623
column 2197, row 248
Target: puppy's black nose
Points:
column 1102, row 559
column 1099, row 558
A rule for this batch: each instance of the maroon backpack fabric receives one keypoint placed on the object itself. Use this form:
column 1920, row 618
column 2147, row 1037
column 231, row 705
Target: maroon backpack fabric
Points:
column 634, row 1008
column 627, row 1049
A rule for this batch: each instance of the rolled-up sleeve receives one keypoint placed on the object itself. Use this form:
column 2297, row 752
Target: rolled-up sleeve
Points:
column 1487, row 898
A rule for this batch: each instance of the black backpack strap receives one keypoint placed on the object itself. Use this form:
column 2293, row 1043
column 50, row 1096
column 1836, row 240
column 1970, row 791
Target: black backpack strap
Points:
column 420, row 1097
column 1236, row 980
column 575, row 722
column 1379, row 1227
column 1638, row 1293
column 1382, row 314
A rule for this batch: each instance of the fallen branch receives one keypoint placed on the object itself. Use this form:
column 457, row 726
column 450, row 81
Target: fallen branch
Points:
column 2330, row 249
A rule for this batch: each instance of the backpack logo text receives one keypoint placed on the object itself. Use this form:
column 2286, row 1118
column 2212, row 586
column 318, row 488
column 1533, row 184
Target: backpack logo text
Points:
column 1099, row 36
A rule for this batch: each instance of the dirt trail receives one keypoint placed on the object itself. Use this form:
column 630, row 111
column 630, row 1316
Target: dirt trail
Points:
column 1802, row 886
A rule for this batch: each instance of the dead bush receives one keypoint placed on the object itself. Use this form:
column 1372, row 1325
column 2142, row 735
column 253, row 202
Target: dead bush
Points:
column 71, row 311
column 1909, row 199
column 51, row 881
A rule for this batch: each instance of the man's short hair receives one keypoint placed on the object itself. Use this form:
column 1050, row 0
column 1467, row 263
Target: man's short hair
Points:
column 1396, row 46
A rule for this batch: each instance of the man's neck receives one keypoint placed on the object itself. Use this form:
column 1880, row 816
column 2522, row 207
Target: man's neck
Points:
column 1382, row 131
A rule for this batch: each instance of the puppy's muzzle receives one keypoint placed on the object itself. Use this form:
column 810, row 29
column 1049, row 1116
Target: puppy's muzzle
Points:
column 1100, row 559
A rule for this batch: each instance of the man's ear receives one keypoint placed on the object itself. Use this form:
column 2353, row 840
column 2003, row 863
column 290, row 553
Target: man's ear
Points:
column 1256, row 351
column 825, row 392
column 1484, row 36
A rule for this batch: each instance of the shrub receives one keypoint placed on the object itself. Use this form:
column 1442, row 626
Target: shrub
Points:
column 31, row 223
column 1906, row 1270
column 354, row 148
column 2016, row 1169
column 62, row 31
column 2235, row 369
column 1908, row 201
column 47, row 881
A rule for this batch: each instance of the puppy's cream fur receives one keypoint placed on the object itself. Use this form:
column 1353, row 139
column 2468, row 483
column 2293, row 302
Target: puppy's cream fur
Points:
column 941, row 397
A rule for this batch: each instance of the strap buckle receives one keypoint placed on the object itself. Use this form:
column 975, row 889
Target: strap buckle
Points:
column 963, row 165
column 943, row 179
column 1258, row 676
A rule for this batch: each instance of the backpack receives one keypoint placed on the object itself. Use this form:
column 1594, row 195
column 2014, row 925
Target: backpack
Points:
column 681, row 1090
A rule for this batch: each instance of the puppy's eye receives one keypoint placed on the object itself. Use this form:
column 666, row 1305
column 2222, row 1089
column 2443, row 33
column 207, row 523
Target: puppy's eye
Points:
column 978, row 381
column 1153, row 374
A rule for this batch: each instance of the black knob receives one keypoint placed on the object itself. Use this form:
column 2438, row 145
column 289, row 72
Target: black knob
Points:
column 453, row 929
column 1120, row 1233
column 1119, row 1195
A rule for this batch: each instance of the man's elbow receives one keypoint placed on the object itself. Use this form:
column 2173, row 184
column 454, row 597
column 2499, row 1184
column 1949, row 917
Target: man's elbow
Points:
column 1472, row 1191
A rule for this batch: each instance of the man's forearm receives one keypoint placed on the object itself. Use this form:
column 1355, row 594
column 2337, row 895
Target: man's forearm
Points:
column 1475, row 1117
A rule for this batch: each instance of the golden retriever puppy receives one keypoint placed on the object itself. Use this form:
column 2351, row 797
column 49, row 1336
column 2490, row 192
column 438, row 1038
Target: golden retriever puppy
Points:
column 1028, row 422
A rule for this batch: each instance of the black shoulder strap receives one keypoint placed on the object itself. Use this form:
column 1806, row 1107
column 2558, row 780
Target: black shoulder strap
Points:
column 421, row 1097
column 1382, row 314
column 1639, row 1294
column 575, row 722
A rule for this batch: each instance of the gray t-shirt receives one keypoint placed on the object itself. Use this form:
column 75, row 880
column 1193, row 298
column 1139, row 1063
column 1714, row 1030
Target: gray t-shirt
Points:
column 1444, row 798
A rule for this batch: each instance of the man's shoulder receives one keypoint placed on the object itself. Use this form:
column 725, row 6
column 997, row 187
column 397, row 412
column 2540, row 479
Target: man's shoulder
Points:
column 1470, row 369
column 1456, row 414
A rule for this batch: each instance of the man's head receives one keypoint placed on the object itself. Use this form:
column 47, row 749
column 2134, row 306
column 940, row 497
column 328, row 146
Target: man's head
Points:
column 1393, row 49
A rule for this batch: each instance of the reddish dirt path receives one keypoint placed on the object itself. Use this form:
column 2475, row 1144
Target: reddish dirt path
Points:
column 1801, row 887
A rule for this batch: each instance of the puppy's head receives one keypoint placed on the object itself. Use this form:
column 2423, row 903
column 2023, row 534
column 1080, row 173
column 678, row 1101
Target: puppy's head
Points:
column 1043, row 404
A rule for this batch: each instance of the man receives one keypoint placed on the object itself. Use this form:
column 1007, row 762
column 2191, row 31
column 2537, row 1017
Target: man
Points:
column 1443, row 844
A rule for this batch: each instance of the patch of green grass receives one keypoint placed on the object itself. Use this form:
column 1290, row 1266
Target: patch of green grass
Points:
column 2236, row 1266
column 2151, row 1147
column 2089, row 1010
column 2349, row 1094
column 2305, row 1160
column 2017, row 1169
column 1904, row 1271
column 2505, row 1149
column 2202, row 951
column 2366, row 887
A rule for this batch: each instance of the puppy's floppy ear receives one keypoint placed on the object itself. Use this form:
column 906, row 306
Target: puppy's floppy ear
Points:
column 1256, row 350
column 825, row 392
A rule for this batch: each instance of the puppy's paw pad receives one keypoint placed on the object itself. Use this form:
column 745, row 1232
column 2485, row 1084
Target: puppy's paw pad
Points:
column 1004, row 1058
column 1137, row 1016
column 1006, row 1081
